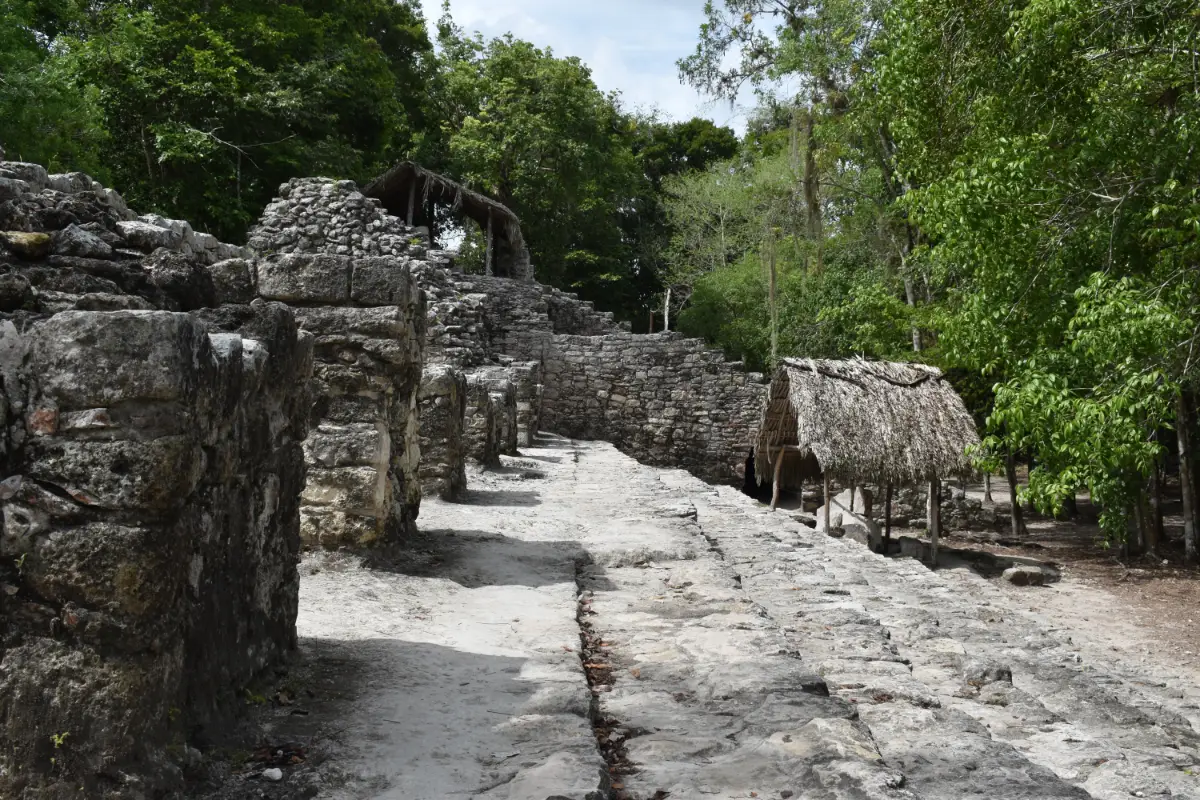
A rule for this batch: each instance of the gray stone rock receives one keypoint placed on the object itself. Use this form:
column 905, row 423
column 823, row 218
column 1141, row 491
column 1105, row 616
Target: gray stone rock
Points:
column 147, row 238
column 34, row 175
column 75, row 241
column 312, row 279
column 233, row 280
column 184, row 280
column 29, row 246
column 1024, row 576
column 12, row 189
column 380, row 282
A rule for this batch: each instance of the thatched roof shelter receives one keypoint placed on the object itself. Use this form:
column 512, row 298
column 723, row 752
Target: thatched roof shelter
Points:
column 411, row 192
column 863, row 422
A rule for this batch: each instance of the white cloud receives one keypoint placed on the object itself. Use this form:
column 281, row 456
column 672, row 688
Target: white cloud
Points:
column 630, row 45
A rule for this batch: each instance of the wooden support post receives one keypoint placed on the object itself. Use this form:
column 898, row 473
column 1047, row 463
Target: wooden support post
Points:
column 828, row 501
column 853, row 491
column 412, row 200
column 935, row 518
column 775, row 483
column 887, row 520
column 487, row 258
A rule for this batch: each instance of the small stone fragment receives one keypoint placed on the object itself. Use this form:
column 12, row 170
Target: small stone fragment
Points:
column 274, row 774
column 1024, row 576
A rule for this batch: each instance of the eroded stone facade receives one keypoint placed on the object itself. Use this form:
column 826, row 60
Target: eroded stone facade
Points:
column 152, row 473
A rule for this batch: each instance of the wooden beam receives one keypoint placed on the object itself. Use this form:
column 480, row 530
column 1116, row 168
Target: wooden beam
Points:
column 887, row 520
column 935, row 518
column 412, row 199
column 775, row 483
column 827, row 502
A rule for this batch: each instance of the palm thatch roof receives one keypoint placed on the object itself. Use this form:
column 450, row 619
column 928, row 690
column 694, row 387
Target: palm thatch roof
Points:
column 408, row 180
column 864, row 422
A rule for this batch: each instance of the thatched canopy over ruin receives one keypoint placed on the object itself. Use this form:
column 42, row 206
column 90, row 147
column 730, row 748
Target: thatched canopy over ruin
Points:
column 864, row 422
column 411, row 192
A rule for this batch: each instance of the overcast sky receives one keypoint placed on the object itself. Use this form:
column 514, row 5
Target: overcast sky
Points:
column 630, row 45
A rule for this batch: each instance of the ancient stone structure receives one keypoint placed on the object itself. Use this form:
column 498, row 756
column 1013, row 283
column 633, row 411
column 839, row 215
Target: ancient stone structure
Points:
column 181, row 414
column 665, row 399
column 442, row 404
column 332, row 254
column 152, row 472
column 553, row 360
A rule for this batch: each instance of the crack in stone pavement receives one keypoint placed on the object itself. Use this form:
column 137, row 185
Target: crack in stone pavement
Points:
column 731, row 653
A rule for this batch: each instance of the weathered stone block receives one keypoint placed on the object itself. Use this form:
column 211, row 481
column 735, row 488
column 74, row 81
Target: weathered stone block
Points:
column 381, row 282
column 148, row 238
column 95, row 360
column 353, row 445
column 355, row 490
column 295, row 278
column 123, row 475
column 330, row 528
column 233, row 280
column 442, row 401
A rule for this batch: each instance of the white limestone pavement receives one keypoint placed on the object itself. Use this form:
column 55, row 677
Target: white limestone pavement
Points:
column 732, row 653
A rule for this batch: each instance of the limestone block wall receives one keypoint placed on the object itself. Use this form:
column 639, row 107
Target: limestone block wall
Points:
column 526, row 377
column 367, row 317
column 442, row 403
column 150, row 475
column 663, row 398
column 150, row 522
column 481, row 429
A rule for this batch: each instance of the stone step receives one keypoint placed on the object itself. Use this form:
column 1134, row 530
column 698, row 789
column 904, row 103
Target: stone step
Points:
column 962, row 692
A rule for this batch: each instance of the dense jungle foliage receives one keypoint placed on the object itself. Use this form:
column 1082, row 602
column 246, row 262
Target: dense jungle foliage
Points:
column 1007, row 189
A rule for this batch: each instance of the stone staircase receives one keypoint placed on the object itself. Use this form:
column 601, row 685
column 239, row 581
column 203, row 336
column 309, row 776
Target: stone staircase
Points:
column 963, row 694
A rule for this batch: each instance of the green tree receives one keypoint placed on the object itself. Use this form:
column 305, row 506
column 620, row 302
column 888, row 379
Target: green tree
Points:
column 1053, row 167
column 46, row 116
column 533, row 131
column 210, row 106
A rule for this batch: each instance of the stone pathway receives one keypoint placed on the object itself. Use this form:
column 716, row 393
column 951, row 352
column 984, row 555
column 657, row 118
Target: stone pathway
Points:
column 727, row 652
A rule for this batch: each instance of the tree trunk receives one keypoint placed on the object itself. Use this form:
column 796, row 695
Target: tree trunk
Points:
column 911, row 295
column 1154, row 531
column 775, row 480
column 1183, row 421
column 774, row 298
column 487, row 257
column 1071, row 507
column 1132, row 545
column 987, row 488
column 812, row 197
column 1029, row 507
column 667, row 311
column 1018, row 521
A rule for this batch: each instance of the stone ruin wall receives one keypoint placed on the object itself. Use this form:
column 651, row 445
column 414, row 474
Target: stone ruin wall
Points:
column 181, row 415
column 152, row 468
column 532, row 357
column 665, row 399
column 346, row 269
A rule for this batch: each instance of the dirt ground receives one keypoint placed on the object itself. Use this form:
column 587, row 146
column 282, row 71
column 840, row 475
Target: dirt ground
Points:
column 1146, row 608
